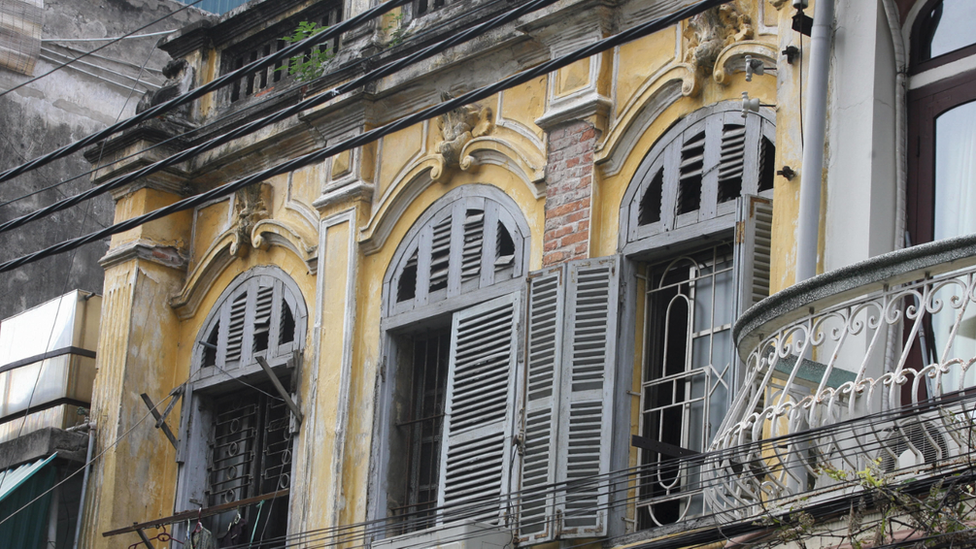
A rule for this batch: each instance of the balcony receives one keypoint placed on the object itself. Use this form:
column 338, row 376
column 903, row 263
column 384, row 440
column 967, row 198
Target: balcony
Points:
column 866, row 368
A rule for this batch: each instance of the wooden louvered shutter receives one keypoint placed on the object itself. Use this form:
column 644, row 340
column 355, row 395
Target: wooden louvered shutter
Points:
column 544, row 329
column 235, row 327
column 753, row 235
column 586, row 402
column 480, row 409
column 571, row 359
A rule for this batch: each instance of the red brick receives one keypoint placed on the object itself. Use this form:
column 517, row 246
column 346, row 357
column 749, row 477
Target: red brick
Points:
column 577, row 216
column 574, row 238
column 556, row 233
column 564, row 209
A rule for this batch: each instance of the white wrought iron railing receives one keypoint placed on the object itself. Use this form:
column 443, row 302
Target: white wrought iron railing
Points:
column 893, row 339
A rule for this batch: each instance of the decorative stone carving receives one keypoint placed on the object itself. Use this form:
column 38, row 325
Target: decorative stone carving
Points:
column 250, row 207
column 711, row 31
column 179, row 80
column 457, row 128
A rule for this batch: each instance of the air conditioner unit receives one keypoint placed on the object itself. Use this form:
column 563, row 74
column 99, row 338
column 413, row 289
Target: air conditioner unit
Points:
column 455, row 535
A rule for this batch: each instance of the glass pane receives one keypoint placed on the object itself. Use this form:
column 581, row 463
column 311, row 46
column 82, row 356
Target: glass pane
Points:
column 703, row 304
column 954, row 23
column 723, row 296
column 955, row 171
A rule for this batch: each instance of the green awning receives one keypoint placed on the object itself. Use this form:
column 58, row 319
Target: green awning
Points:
column 13, row 478
column 24, row 493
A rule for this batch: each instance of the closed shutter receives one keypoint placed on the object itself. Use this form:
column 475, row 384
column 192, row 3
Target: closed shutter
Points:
column 589, row 348
column 481, row 404
column 544, row 329
column 572, row 327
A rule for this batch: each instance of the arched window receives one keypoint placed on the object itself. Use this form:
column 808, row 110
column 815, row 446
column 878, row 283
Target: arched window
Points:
column 452, row 306
column 941, row 187
column 943, row 33
column 471, row 239
column 695, row 173
column 697, row 217
column 238, row 426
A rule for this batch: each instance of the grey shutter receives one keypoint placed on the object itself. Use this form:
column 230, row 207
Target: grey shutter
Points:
column 753, row 235
column 440, row 255
column 235, row 327
column 544, row 329
column 571, row 360
column 480, row 409
column 474, row 227
column 586, row 400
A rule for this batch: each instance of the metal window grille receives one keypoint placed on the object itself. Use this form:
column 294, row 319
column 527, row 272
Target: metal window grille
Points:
column 687, row 377
column 424, row 429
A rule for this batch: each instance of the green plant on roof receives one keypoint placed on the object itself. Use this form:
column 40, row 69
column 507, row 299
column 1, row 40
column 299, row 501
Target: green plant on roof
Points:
column 311, row 64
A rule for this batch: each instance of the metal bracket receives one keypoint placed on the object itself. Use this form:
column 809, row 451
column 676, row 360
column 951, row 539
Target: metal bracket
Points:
column 144, row 538
column 280, row 388
column 177, row 394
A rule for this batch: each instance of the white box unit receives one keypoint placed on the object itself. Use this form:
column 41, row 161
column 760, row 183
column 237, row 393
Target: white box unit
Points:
column 456, row 535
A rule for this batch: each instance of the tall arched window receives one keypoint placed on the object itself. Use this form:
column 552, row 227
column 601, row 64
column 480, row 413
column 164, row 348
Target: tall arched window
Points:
column 697, row 218
column 238, row 427
column 941, row 190
column 457, row 273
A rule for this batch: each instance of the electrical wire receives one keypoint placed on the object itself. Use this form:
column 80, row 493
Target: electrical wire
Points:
column 111, row 39
column 229, row 78
column 255, row 125
column 96, row 457
column 371, row 135
column 59, row 67
column 235, row 114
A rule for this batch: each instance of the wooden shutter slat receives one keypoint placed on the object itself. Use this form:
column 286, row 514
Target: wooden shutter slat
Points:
column 586, row 399
column 543, row 356
column 479, row 407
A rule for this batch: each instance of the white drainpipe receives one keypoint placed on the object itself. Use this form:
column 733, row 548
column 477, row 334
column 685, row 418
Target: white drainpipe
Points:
column 84, row 483
column 815, row 127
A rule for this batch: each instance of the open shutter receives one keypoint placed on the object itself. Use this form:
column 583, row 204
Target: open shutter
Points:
column 751, row 256
column 753, row 235
column 544, row 331
column 571, row 359
column 235, row 327
column 480, row 409
column 586, row 400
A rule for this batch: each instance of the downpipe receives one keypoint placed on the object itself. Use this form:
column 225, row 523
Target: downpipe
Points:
column 84, row 483
column 811, row 171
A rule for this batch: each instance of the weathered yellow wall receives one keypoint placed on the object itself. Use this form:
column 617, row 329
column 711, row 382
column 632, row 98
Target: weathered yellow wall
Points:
column 334, row 493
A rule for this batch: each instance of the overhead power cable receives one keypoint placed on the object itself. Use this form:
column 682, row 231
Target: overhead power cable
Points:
column 290, row 51
column 234, row 114
column 103, row 46
column 255, row 125
column 110, row 39
column 484, row 92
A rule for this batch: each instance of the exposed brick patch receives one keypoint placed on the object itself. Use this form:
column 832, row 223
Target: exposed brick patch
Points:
column 569, row 175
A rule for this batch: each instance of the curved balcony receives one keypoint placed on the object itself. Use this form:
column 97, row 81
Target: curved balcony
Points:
column 861, row 368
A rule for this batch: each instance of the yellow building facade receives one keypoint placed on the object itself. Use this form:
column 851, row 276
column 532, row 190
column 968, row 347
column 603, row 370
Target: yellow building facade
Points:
column 518, row 312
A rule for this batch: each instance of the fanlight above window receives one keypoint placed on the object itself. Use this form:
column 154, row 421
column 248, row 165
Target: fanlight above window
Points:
column 696, row 172
column 259, row 317
column 461, row 244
